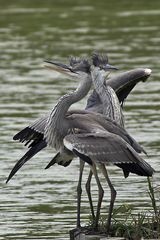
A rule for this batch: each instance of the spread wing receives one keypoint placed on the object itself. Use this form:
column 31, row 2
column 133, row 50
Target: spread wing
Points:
column 28, row 155
column 32, row 133
column 122, row 84
column 33, row 137
column 93, row 122
column 108, row 148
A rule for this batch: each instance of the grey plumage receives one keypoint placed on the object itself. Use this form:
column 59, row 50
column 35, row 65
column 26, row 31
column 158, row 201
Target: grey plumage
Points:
column 109, row 148
column 92, row 137
column 122, row 84
column 34, row 133
column 108, row 98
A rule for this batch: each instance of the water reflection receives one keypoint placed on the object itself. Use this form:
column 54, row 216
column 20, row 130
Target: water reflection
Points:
column 38, row 203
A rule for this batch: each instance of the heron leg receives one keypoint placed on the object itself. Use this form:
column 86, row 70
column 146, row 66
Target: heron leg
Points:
column 100, row 195
column 79, row 193
column 88, row 190
column 113, row 195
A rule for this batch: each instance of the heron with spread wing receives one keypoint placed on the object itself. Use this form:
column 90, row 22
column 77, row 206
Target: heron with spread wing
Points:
column 91, row 136
column 98, row 140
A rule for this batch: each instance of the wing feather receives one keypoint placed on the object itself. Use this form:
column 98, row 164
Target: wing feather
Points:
column 108, row 148
column 33, row 133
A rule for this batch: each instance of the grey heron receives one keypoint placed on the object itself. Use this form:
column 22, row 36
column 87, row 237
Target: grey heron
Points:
column 111, row 108
column 33, row 135
column 69, row 129
column 87, row 139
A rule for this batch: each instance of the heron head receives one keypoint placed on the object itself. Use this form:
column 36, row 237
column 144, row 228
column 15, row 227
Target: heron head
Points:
column 101, row 61
column 81, row 66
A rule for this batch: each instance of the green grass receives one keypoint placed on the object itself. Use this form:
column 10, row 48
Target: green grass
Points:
column 133, row 226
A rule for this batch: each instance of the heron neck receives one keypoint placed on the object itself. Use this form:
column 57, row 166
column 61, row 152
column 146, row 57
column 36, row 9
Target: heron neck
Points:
column 100, row 86
column 109, row 100
column 98, row 81
column 57, row 126
column 68, row 99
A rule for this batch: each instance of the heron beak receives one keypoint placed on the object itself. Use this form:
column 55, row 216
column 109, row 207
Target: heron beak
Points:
column 109, row 67
column 59, row 67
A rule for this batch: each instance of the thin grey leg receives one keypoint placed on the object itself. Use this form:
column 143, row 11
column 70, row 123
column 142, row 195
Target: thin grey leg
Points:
column 88, row 190
column 79, row 193
column 100, row 195
column 113, row 195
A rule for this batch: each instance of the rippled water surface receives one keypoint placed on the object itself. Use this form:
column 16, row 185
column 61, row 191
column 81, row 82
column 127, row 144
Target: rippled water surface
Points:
column 38, row 203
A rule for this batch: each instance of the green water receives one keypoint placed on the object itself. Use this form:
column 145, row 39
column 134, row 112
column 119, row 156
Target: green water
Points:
column 38, row 203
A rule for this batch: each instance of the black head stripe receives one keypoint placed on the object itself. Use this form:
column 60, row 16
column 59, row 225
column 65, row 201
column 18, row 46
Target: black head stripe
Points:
column 99, row 59
column 82, row 66
column 74, row 61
